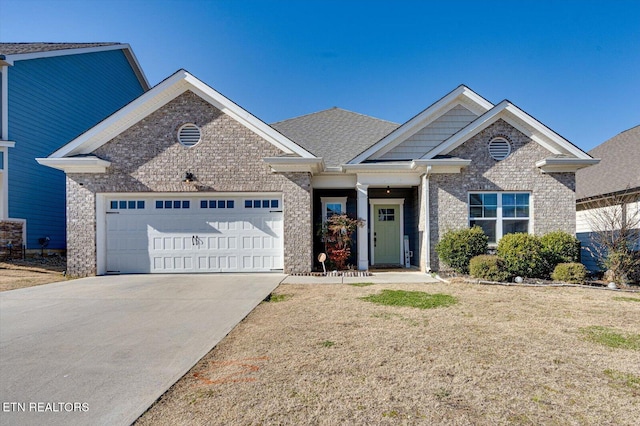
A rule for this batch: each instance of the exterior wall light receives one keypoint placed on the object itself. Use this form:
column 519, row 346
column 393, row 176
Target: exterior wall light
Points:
column 189, row 177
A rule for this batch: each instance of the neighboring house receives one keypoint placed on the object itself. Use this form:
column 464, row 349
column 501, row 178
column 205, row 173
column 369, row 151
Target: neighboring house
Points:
column 600, row 188
column 184, row 180
column 51, row 93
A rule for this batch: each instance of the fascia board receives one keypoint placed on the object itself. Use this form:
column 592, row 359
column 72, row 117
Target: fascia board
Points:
column 124, row 118
column 423, row 119
column 295, row 164
column 377, row 167
column 7, row 144
column 543, row 130
column 560, row 165
column 246, row 118
column 76, row 165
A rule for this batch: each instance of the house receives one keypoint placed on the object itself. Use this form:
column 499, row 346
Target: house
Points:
column 184, row 180
column 615, row 181
column 51, row 93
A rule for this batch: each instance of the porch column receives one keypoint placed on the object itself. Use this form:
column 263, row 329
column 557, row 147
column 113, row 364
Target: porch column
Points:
column 363, row 237
column 425, row 220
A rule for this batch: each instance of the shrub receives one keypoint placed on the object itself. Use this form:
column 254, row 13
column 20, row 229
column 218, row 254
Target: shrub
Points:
column 522, row 255
column 456, row 248
column 573, row 272
column 488, row 267
column 560, row 247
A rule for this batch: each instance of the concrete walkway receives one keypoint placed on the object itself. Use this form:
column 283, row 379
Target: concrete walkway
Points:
column 101, row 350
column 402, row 277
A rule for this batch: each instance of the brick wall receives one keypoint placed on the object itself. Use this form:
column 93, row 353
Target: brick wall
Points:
column 148, row 158
column 553, row 194
column 11, row 232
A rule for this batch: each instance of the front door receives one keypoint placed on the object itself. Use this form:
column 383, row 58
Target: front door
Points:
column 386, row 234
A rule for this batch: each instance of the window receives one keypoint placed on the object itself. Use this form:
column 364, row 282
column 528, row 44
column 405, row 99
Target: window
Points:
column 217, row 204
column 332, row 206
column 500, row 213
column 173, row 204
column 261, row 204
column 386, row 215
column 126, row 204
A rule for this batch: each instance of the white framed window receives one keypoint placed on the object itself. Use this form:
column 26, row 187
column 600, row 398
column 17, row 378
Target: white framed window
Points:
column 500, row 213
column 333, row 205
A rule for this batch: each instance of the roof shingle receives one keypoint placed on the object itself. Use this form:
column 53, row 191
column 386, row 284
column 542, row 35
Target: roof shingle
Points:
column 335, row 134
column 618, row 170
column 21, row 48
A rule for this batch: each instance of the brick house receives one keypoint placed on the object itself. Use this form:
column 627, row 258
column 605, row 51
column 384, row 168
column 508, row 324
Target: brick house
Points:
column 184, row 180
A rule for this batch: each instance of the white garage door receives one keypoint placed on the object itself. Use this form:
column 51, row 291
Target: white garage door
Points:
column 189, row 234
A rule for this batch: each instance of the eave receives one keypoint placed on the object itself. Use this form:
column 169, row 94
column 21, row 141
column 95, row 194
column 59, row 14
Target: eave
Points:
column 76, row 164
column 295, row 164
column 565, row 165
column 430, row 166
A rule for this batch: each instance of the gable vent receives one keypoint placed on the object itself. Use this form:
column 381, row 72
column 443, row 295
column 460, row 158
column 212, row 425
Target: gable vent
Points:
column 499, row 148
column 189, row 134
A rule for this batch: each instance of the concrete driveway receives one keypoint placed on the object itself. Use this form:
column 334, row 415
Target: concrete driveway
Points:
column 101, row 350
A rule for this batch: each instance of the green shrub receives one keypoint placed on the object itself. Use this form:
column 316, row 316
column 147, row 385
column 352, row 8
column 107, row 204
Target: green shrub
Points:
column 573, row 272
column 456, row 248
column 488, row 267
column 522, row 255
column 560, row 247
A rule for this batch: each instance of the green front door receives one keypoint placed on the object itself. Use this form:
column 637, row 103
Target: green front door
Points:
column 386, row 234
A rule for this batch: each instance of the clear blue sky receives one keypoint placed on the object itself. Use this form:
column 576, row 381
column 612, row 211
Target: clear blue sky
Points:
column 573, row 64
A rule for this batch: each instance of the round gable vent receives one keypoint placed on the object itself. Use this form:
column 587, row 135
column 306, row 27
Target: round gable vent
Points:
column 189, row 134
column 499, row 148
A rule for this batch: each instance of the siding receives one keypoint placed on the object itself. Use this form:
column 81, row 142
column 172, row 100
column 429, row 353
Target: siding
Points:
column 51, row 101
column 0, row 103
column 432, row 135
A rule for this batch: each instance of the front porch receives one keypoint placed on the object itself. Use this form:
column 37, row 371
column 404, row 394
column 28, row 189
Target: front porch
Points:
column 390, row 237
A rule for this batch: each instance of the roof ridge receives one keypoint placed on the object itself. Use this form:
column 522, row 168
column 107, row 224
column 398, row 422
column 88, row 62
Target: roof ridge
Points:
column 330, row 109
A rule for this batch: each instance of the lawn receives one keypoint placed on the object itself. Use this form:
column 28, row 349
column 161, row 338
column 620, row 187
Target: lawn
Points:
column 489, row 355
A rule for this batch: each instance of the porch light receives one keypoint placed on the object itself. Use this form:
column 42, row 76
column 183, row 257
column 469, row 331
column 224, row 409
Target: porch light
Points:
column 388, row 190
column 189, row 177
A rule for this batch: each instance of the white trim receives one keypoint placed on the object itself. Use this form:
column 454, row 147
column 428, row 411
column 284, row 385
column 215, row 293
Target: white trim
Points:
column 294, row 164
column 332, row 200
column 559, row 165
column 362, row 212
column 101, row 233
column 76, row 164
column 426, row 234
column 156, row 98
column 340, row 181
column 456, row 97
column 5, row 103
column 391, row 201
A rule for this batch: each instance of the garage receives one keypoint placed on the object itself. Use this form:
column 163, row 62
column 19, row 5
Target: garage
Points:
column 189, row 234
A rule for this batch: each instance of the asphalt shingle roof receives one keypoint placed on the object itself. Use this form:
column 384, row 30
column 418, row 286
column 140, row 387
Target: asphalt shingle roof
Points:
column 335, row 134
column 20, row 48
column 618, row 170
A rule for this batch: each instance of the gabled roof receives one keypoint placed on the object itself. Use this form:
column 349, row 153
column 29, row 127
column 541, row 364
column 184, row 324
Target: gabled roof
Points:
column 335, row 134
column 519, row 119
column 12, row 52
column 619, row 167
column 461, row 95
column 156, row 98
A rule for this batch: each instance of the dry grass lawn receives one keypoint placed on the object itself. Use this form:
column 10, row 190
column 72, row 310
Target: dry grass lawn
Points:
column 31, row 272
column 500, row 356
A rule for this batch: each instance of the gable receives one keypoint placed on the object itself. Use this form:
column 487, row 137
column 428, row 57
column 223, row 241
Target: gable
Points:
column 157, row 98
column 430, row 136
column 150, row 154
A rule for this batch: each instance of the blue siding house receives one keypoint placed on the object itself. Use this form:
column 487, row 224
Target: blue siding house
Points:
column 51, row 93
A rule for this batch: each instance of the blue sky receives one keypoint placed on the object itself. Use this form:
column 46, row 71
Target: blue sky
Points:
column 573, row 64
